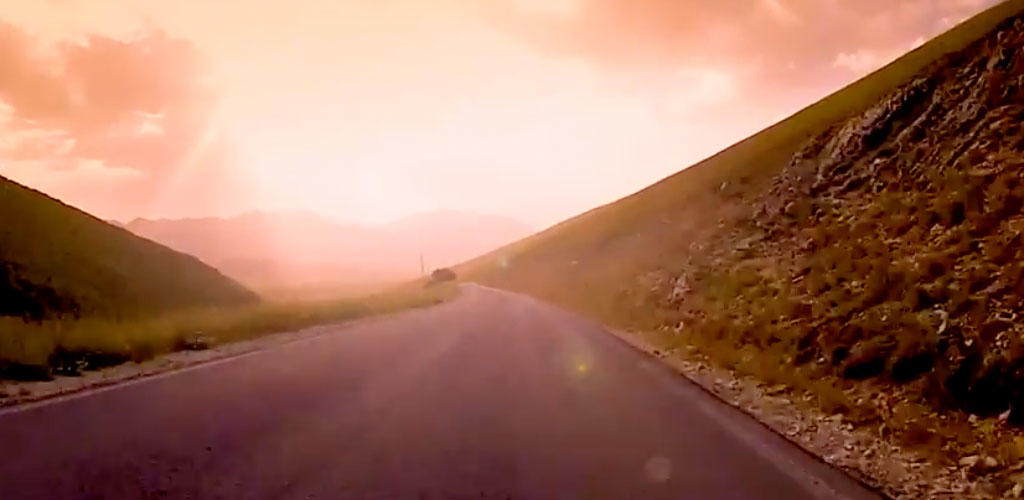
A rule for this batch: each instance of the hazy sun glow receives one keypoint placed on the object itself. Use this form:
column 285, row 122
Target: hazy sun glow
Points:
column 368, row 111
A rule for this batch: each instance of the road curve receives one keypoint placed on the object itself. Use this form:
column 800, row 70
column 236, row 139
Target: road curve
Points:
column 492, row 395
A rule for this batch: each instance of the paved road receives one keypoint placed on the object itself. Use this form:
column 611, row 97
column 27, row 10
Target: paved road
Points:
column 492, row 395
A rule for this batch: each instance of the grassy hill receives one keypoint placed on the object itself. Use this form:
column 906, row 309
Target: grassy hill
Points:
column 56, row 260
column 653, row 227
column 872, row 234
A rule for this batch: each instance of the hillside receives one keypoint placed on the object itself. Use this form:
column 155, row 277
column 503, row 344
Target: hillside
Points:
column 56, row 260
column 273, row 250
column 449, row 237
column 875, row 233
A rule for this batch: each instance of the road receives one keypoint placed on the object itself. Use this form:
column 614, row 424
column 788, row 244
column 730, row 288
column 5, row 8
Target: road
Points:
column 492, row 395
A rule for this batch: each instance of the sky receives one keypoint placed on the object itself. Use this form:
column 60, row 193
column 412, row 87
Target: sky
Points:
column 370, row 111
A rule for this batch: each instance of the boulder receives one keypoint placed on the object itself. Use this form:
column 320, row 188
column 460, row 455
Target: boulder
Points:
column 442, row 275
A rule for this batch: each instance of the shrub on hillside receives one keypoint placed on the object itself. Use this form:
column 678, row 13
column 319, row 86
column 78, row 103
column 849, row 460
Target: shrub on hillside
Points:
column 442, row 275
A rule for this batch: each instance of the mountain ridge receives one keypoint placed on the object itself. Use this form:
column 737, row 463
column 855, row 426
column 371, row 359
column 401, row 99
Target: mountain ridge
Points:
column 297, row 248
column 59, row 260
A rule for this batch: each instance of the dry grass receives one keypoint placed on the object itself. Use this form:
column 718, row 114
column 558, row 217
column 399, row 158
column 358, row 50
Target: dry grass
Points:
column 27, row 349
column 886, row 248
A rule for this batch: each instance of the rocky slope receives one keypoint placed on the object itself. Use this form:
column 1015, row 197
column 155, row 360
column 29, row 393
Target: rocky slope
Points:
column 890, row 245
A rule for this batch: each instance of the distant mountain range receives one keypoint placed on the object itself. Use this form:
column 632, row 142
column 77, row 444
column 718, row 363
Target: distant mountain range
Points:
column 288, row 249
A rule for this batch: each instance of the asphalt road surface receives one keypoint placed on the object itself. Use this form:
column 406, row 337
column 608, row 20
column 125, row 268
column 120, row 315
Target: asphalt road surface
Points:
column 492, row 395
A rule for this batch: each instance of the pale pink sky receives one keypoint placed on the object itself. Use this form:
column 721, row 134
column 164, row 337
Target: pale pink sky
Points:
column 371, row 110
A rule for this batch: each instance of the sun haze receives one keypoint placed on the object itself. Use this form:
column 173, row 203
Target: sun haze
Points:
column 373, row 111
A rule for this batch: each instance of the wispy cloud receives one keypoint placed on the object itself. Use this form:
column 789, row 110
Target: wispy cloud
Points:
column 379, row 109
column 102, row 107
column 814, row 37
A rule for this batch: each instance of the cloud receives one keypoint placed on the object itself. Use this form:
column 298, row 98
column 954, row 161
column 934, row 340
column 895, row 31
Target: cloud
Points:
column 699, row 87
column 860, row 62
column 138, row 109
column 29, row 90
column 98, row 169
column 864, row 60
column 555, row 7
column 773, row 44
column 780, row 12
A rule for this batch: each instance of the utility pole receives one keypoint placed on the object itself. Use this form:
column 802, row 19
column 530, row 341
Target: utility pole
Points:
column 423, row 269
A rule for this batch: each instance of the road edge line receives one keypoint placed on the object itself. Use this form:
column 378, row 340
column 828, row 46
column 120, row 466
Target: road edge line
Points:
column 632, row 343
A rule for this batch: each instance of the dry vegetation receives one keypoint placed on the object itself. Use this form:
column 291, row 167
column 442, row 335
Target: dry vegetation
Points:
column 42, row 349
column 890, row 245
column 869, row 245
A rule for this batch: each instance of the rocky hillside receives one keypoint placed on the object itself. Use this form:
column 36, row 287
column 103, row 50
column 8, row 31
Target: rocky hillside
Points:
column 879, row 243
column 891, row 244
column 58, row 261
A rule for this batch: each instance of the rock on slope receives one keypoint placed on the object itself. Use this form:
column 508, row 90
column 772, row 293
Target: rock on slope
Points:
column 58, row 261
column 890, row 245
